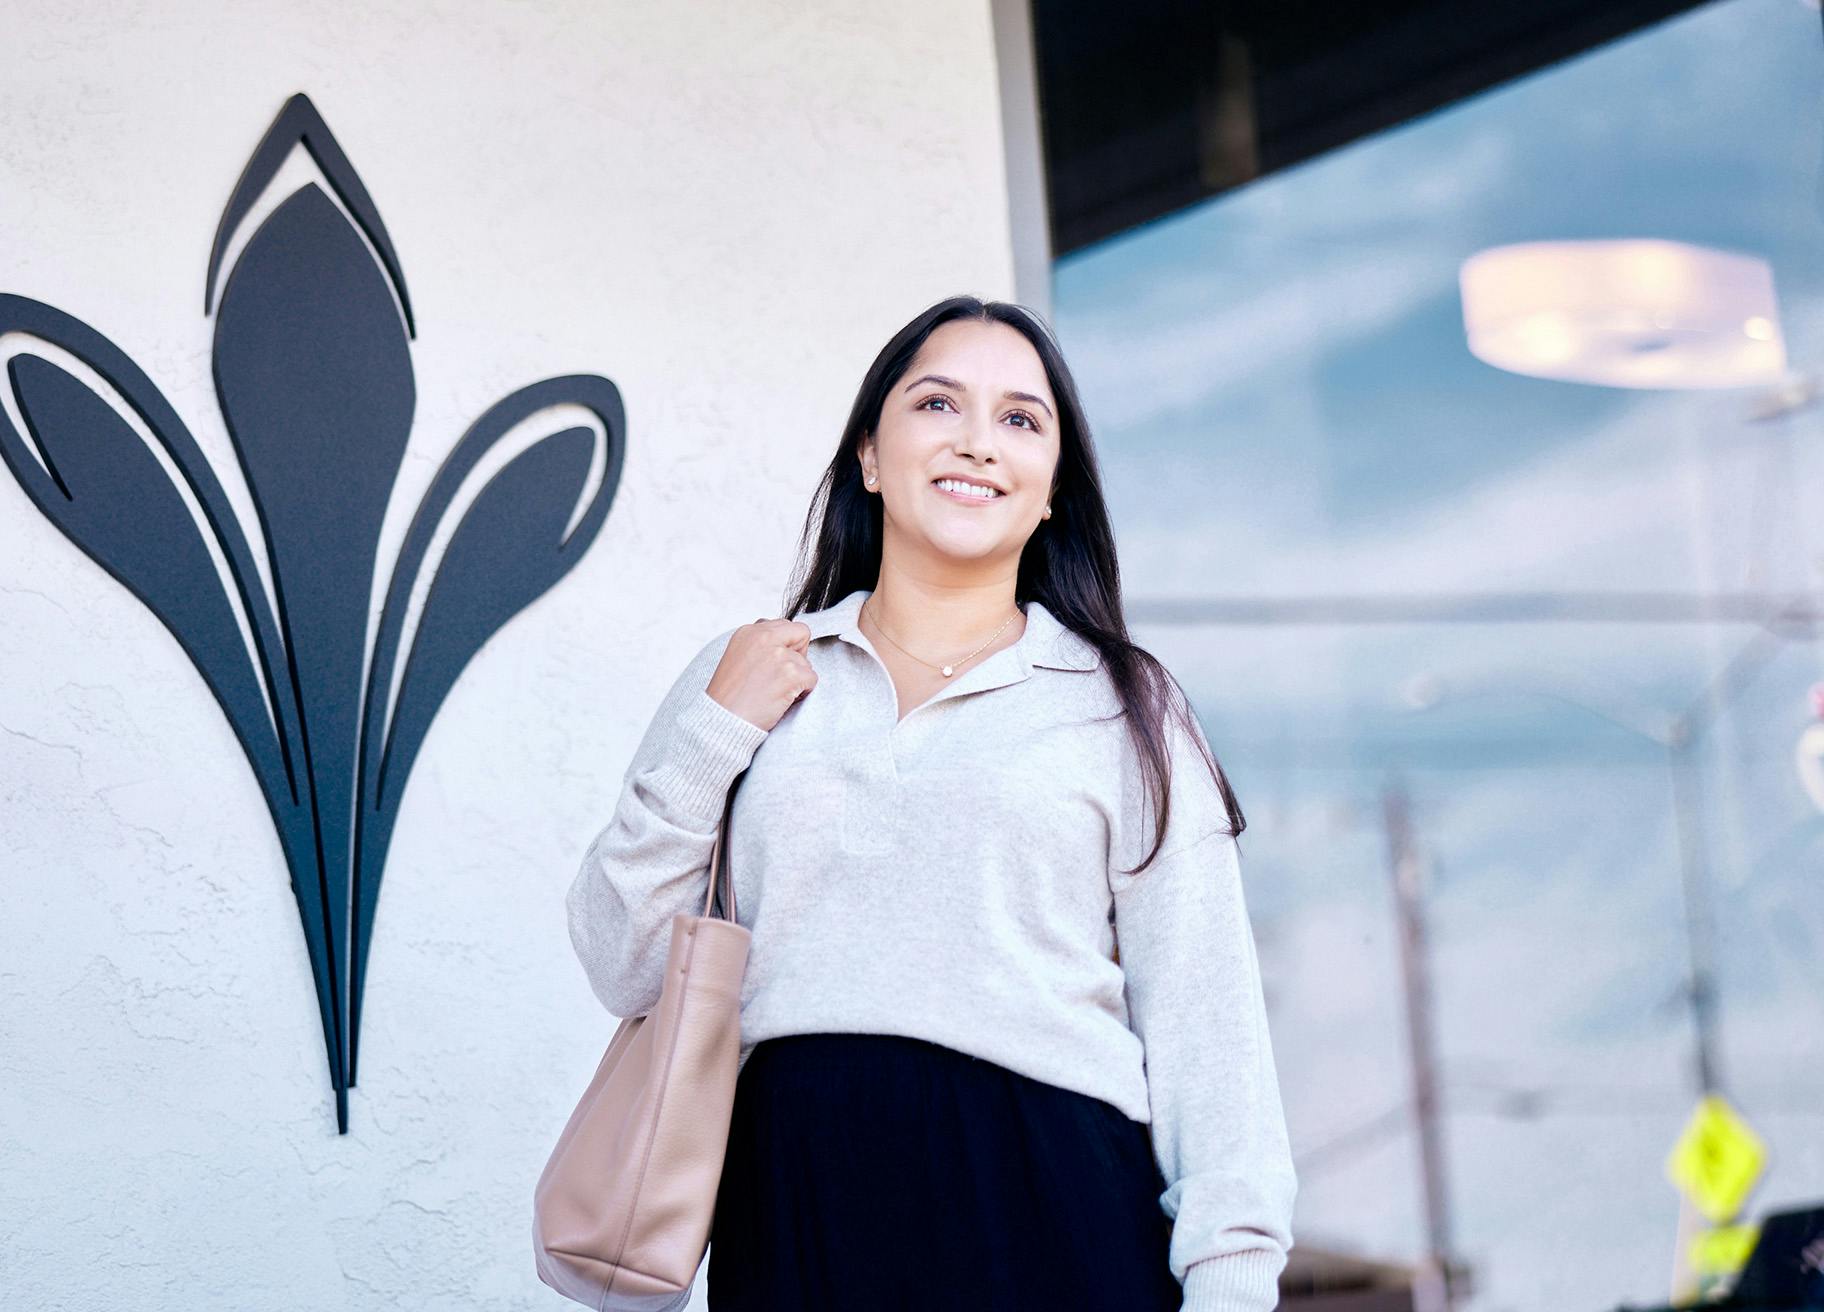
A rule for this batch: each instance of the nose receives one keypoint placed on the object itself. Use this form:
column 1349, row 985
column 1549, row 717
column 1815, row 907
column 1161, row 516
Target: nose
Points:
column 976, row 439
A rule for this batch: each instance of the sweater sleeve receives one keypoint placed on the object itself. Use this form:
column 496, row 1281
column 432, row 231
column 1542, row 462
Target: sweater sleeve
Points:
column 650, row 862
column 1195, row 1000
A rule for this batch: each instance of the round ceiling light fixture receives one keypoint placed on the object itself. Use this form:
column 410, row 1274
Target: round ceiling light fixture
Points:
column 1634, row 312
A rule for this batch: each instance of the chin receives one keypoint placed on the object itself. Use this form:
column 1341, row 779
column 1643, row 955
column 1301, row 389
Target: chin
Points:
column 957, row 546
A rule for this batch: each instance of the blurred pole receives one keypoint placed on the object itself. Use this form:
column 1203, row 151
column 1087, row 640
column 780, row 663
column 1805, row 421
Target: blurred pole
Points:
column 1699, row 923
column 1687, row 808
column 1431, row 1287
column 1679, row 737
column 1684, row 1276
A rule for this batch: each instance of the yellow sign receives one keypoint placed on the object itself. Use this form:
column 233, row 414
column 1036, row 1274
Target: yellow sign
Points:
column 1724, row 1250
column 1717, row 1159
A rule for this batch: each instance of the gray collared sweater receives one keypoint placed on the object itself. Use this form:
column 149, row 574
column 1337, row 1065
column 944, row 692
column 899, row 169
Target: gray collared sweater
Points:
column 956, row 876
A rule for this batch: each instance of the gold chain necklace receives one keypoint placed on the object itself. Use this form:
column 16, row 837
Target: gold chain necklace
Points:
column 948, row 670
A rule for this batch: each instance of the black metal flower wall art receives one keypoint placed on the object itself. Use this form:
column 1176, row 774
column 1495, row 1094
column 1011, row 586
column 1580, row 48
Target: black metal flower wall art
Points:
column 313, row 373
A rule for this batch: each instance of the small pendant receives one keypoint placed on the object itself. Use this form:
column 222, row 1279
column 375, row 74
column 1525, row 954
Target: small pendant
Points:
column 947, row 671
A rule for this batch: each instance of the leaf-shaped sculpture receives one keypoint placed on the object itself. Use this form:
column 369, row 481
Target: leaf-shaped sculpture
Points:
column 110, row 496
column 313, row 375
column 507, row 550
column 315, row 383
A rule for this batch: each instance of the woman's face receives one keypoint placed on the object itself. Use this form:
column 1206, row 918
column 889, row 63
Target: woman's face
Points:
column 974, row 404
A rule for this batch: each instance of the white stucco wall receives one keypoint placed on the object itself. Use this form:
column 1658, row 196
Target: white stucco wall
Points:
column 726, row 208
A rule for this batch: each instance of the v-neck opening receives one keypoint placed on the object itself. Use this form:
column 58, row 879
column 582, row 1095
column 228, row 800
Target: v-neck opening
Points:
column 949, row 688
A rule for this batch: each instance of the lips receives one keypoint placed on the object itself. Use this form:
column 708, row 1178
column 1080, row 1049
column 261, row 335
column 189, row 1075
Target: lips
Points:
column 965, row 496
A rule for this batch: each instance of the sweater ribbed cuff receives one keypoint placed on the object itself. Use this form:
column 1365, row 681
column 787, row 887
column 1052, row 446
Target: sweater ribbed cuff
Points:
column 1246, row 1281
column 710, row 745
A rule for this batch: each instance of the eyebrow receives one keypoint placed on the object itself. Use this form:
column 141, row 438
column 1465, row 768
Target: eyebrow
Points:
column 941, row 381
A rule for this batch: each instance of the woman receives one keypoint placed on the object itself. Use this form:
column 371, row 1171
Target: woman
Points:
column 1003, row 1040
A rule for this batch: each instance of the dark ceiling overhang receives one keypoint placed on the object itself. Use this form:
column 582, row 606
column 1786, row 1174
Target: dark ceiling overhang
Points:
column 1152, row 105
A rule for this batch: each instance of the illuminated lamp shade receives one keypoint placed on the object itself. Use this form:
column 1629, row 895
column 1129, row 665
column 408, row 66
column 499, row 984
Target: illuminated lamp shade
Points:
column 1628, row 313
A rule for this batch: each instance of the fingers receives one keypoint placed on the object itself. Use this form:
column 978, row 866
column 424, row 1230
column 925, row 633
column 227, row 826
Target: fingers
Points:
column 802, row 676
column 794, row 633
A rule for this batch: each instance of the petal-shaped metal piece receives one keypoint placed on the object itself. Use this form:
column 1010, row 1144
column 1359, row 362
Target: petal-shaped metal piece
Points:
column 298, row 122
column 116, row 503
column 108, row 493
column 508, row 549
column 315, row 380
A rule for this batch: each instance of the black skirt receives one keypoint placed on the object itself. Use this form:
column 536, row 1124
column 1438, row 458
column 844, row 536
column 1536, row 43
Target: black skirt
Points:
column 878, row 1172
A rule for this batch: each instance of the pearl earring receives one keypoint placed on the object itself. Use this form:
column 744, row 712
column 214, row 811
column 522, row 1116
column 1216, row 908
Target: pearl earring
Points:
column 870, row 480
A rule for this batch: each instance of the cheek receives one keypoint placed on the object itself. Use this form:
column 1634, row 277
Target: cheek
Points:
column 1036, row 468
column 906, row 451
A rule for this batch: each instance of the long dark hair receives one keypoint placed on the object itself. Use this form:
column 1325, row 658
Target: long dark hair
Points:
column 1068, row 564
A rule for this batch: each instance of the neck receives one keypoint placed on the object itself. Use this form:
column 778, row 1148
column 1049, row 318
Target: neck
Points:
column 943, row 617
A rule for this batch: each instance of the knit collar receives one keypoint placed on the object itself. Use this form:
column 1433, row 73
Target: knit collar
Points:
column 1045, row 642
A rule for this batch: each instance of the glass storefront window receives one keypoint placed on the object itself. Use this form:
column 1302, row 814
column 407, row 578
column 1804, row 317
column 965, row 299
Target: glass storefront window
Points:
column 1551, row 647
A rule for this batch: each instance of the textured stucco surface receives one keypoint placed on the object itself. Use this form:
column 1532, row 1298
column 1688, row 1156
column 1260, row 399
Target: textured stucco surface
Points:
column 725, row 208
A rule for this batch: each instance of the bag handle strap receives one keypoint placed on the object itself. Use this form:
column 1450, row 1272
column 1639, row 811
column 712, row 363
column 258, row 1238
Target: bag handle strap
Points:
column 720, row 880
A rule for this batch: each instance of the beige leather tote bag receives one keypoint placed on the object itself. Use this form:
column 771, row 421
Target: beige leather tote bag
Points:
column 622, row 1212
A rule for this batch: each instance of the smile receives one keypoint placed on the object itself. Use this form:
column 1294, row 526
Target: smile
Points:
column 958, row 490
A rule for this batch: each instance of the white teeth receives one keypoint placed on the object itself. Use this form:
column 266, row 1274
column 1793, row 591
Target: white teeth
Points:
column 967, row 489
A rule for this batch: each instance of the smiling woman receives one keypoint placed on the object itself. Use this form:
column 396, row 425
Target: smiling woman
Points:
column 1001, row 1001
column 976, row 426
